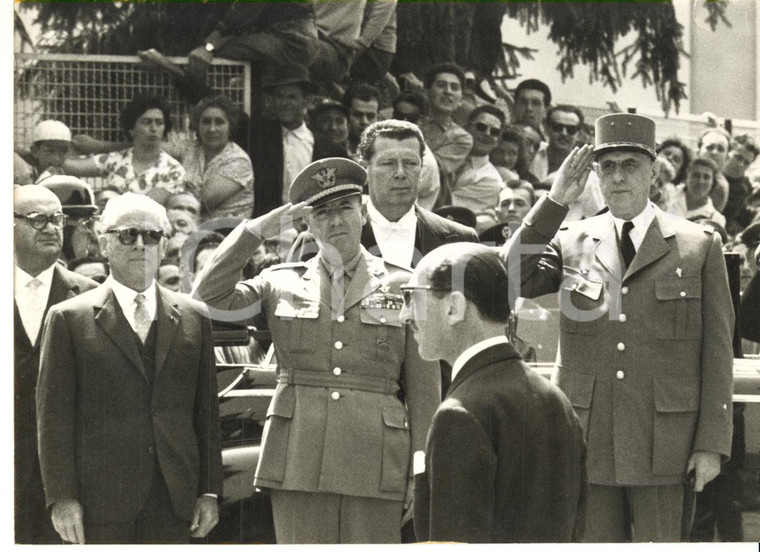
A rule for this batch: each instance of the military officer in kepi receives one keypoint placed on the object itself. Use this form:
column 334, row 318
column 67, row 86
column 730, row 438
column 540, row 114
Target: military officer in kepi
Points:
column 354, row 400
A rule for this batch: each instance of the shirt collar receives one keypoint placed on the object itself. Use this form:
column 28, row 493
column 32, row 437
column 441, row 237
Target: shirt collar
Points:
column 640, row 222
column 126, row 296
column 348, row 268
column 22, row 278
column 301, row 132
column 478, row 161
column 473, row 350
column 408, row 221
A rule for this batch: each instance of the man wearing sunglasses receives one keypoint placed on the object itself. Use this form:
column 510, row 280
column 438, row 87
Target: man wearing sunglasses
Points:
column 127, row 398
column 39, row 283
column 504, row 458
column 339, row 435
column 478, row 183
column 564, row 123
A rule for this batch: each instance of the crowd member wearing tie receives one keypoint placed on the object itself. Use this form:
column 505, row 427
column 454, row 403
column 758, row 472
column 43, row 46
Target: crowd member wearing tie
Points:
column 645, row 334
column 127, row 398
column 39, row 283
column 339, row 437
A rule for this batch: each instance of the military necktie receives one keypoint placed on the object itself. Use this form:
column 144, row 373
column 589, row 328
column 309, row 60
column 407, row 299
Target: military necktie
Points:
column 626, row 244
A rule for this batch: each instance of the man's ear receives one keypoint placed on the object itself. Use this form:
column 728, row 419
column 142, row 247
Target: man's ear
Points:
column 457, row 308
column 364, row 213
column 103, row 244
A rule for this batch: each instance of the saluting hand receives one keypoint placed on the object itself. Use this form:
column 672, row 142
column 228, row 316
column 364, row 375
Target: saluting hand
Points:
column 275, row 221
column 572, row 175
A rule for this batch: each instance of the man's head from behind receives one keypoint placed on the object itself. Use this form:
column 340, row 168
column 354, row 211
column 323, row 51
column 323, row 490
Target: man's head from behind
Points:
column 51, row 141
column 485, row 123
column 392, row 152
column 532, row 99
column 38, row 224
column 457, row 296
column 363, row 103
column 134, row 239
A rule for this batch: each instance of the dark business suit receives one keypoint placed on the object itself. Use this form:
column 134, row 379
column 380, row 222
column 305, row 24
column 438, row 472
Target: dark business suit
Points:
column 32, row 522
column 265, row 139
column 432, row 231
column 110, row 419
column 504, row 458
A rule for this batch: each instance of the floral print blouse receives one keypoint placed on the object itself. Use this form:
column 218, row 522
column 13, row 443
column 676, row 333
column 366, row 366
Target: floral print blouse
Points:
column 120, row 173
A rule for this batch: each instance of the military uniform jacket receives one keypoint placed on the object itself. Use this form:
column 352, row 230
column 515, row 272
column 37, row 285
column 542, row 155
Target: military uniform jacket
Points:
column 336, row 423
column 645, row 353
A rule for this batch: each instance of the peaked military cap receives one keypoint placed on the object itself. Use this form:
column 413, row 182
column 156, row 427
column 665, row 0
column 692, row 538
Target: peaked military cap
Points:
column 624, row 131
column 327, row 180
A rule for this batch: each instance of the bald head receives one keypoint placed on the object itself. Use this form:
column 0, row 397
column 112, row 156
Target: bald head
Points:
column 36, row 249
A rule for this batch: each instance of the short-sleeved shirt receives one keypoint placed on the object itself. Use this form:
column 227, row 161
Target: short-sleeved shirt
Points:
column 167, row 173
column 232, row 163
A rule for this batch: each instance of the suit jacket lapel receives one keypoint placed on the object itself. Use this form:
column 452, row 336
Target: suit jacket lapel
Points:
column 112, row 321
column 607, row 250
column 368, row 239
column 21, row 337
column 167, row 319
column 652, row 248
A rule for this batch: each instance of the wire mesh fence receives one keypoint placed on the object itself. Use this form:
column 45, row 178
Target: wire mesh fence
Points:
column 87, row 93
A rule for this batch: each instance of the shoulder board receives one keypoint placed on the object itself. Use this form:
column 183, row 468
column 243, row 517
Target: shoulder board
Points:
column 707, row 229
column 564, row 227
column 288, row 266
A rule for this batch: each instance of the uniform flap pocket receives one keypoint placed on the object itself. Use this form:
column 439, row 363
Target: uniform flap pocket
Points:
column 294, row 307
column 283, row 403
column 678, row 288
column 380, row 317
column 579, row 282
column 577, row 386
column 394, row 417
column 676, row 394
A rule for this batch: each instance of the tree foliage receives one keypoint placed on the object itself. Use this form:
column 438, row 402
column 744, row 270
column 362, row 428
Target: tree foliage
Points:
column 587, row 33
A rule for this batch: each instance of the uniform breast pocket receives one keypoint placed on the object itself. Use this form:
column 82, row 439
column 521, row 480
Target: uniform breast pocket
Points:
column 299, row 318
column 581, row 302
column 679, row 308
column 380, row 326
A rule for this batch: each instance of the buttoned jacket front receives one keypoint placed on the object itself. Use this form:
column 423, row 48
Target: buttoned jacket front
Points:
column 336, row 423
column 645, row 353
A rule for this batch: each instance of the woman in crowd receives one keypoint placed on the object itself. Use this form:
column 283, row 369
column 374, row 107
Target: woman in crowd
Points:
column 511, row 157
column 219, row 172
column 678, row 153
column 144, row 167
column 692, row 199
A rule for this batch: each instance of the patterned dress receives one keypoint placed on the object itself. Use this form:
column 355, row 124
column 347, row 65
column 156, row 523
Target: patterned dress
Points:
column 120, row 173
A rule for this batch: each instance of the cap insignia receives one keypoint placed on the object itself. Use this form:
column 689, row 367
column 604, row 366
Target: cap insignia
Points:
column 325, row 177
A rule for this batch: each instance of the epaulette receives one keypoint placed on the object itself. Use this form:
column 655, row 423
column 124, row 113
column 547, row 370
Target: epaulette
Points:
column 707, row 228
column 564, row 227
column 290, row 266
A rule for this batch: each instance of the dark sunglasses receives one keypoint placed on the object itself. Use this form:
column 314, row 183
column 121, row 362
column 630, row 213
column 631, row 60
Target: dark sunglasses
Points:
column 407, row 291
column 492, row 131
column 571, row 130
column 128, row 236
column 40, row 221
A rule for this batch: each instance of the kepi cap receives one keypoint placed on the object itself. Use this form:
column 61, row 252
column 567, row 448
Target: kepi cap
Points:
column 624, row 131
column 51, row 130
column 327, row 180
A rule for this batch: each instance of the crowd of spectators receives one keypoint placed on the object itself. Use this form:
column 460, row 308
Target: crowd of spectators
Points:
column 316, row 90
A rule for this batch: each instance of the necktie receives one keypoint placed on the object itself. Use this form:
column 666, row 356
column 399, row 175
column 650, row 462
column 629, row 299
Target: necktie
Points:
column 142, row 318
column 338, row 289
column 626, row 244
column 31, row 315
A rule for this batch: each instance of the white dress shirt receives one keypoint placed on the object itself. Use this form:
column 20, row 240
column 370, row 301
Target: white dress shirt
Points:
column 478, row 185
column 32, row 308
column 395, row 239
column 297, row 151
column 473, row 350
column 126, row 298
column 641, row 224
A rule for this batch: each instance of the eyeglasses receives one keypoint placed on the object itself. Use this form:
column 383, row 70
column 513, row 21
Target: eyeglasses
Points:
column 128, row 236
column 492, row 131
column 407, row 291
column 39, row 221
column 559, row 127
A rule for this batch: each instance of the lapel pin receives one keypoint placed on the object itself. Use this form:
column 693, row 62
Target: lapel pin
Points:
column 678, row 271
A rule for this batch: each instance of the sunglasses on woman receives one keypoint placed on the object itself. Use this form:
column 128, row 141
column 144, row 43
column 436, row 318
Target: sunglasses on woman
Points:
column 492, row 131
